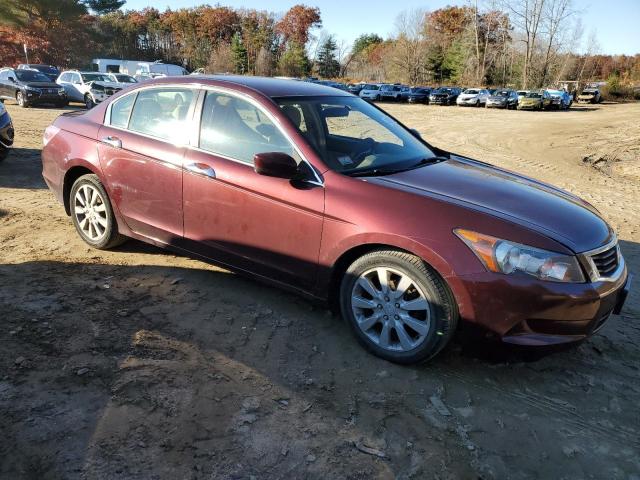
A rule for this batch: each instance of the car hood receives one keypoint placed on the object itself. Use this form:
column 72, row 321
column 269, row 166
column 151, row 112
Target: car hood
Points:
column 495, row 98
column 531, row 100
column 541, row 207
column 107, row 84
column 466, row 96
column 40, row 84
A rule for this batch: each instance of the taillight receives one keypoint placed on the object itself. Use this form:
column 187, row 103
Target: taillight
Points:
column 50, row 132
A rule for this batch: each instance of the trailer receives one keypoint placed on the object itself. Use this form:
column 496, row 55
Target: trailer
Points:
column 137, row 68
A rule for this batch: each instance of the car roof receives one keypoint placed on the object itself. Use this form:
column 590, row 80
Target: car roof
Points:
column 267, row 86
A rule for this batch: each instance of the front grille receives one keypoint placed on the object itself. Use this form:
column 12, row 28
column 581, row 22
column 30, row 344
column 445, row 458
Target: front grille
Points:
column 606, row 262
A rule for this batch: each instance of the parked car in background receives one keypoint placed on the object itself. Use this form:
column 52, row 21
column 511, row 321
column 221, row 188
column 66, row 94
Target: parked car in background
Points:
column 444, row 96
column 535, row 100
column 50, row 71
column 30, row 87
column 405, row 91
column 6, row 132
column 89, row 88
column 506, row 98
column 474, row 97
column 589, row 95
column 370, row 91
column 391, row 92
column 121, row 78
column 270, row 178
column 355, row 88
column 419, row 95
column 522, row 94
column 560, row 100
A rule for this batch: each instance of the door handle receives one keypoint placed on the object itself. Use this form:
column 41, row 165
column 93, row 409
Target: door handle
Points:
column 115, row 142
column 201, row 169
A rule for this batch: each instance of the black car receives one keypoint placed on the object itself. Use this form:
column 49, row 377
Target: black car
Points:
column 30, row 87
column 6, row 132
column 419, row 95
column 49, row 70
column 445, row 95
column 505, row 98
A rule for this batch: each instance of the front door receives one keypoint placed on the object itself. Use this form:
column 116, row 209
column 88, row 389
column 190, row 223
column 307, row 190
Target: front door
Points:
column 266, row 225
column 141, row 152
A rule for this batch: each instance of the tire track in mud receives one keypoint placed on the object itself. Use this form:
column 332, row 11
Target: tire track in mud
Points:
column 569, row 413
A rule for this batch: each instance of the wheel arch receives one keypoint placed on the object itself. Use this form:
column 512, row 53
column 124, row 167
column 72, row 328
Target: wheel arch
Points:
column 346, row 258
column 69, row 178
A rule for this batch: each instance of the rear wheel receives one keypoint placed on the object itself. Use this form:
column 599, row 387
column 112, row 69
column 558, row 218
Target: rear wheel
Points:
column 92, row 214
column 397, row 306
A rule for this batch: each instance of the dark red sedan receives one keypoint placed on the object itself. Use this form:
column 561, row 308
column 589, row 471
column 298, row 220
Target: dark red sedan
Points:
column 319, row 191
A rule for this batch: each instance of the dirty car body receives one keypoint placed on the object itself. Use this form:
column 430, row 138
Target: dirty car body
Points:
column 297, row 195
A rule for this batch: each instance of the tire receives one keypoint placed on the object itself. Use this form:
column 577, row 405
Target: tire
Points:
column 110, row 237
column 21, row 100
column 435, row 319
column 88, row 102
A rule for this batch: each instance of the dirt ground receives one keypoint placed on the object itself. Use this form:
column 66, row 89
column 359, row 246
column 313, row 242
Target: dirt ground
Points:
column 140, row 364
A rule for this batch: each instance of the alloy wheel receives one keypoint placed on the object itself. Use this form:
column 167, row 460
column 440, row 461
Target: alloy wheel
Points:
column 20, row 99
column 391, row 309
column 91, row 212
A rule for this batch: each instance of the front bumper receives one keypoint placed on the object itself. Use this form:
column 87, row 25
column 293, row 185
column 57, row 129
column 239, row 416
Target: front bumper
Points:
column 440, row 100
column 467, row 101
column 491, row 104
column 44, row 97
column 6, row 131
column 419, row 99
column 529, row 106
column 523, row 310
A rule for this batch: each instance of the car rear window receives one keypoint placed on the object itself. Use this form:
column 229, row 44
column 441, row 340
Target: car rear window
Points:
column 162, row 113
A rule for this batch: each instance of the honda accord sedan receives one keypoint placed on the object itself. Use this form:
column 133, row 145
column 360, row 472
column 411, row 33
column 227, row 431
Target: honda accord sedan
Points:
column 319, row 191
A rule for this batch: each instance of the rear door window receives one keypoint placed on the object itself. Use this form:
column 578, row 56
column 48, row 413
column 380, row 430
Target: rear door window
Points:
column 235, row 128
column 162, row 113
column 121, row 111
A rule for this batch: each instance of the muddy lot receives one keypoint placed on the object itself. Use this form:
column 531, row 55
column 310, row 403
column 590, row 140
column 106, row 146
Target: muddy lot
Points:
column 140, row 364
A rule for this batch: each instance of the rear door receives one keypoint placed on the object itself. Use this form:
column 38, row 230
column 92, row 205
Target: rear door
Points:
column 142, row 147
column 266, row 225
column 4, row 80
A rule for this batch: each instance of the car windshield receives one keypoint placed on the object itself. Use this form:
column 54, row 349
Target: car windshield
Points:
column 354, row 137
column 31, row 76
column 534, row 95
column 472, row 91
column 46, row 69
column 444, row 90
column 501, row 93
column 125, row 79
column 371, row 87
column 522, row 92
column 95, row 77
column 419, row 90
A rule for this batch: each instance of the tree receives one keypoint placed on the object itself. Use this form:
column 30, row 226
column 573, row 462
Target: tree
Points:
column 294, row 61
column 239, row 54
column 297, row 23
column 364, row 41
column 100, row 7
column 327, row 63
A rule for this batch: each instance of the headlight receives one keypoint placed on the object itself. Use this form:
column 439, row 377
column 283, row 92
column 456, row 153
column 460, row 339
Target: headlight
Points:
column 503, row 256
column 61, row 91
column 31, row 89
column 2, row 109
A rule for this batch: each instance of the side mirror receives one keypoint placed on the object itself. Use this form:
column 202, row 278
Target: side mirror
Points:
column 275, row 164
column 11, row 79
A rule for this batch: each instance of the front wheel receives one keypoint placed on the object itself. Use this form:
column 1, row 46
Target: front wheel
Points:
column 88, row 102
column 397, row 306
column 92, row 214
column 21, row 100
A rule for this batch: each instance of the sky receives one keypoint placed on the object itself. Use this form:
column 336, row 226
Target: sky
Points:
column 616, row 22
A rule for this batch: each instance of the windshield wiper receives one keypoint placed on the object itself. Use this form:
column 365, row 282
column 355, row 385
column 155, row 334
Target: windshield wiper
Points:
column 374, row 172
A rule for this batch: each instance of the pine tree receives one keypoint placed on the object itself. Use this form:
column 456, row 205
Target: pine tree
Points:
column 100, row 7
column 328, row 65
column 239, row 53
